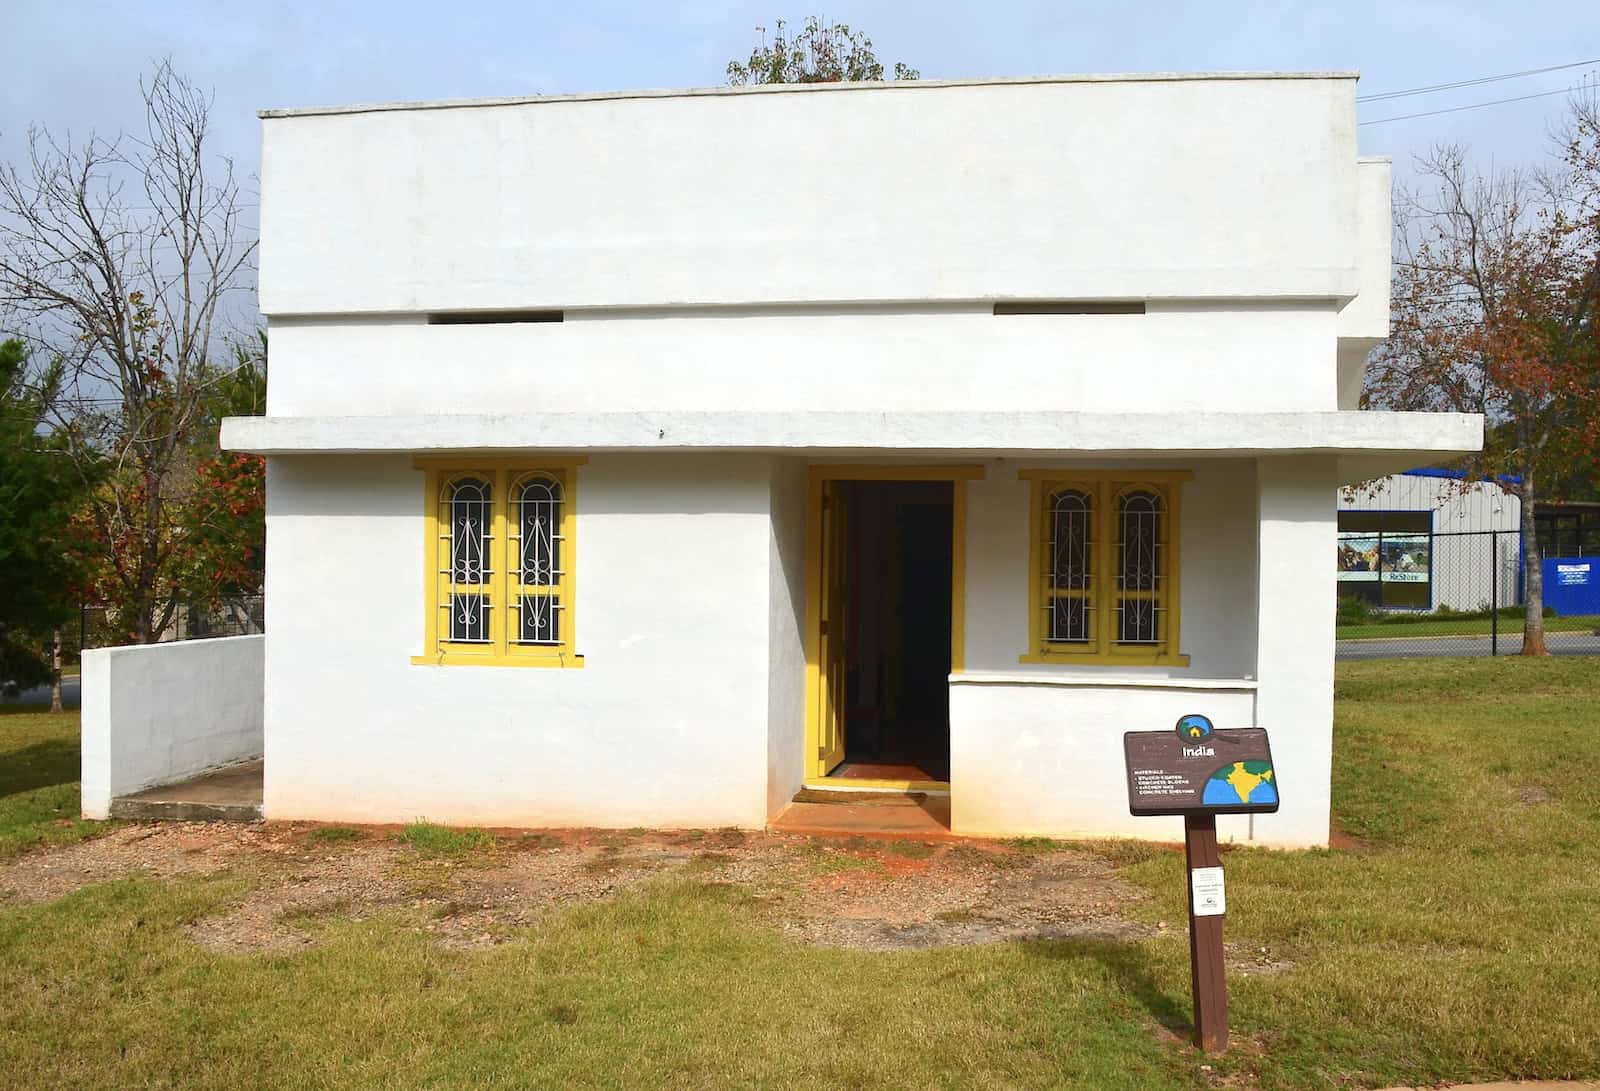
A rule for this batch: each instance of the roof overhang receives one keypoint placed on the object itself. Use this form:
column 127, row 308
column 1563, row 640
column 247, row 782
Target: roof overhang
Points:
column 1368, row 444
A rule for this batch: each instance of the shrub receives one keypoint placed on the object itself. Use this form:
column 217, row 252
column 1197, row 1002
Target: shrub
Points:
column 431, row 840
column 1354, row 611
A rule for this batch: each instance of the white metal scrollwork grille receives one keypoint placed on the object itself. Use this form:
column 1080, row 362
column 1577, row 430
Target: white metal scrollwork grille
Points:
column 1139, row 563
column 1069, row 604
column 467, row 515
column 536, row 560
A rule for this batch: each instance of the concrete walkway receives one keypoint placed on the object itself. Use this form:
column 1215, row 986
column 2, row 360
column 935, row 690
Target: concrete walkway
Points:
column 229, row 794
column 1402, row 647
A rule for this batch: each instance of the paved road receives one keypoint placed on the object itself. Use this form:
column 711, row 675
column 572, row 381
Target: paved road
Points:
column 40, row 697
column 1429, row 646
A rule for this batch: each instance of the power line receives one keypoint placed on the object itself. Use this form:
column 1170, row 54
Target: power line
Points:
column 1384, row 95
column 1473, row 106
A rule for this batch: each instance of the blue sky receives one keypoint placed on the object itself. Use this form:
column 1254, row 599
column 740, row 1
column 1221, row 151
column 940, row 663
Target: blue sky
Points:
column 75, row 65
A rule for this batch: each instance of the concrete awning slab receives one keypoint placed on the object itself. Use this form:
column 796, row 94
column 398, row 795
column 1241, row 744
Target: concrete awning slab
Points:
column 1367, row 443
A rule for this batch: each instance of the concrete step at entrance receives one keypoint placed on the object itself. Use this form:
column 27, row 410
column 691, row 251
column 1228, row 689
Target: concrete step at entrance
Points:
column 229, row 794
column 819, row 813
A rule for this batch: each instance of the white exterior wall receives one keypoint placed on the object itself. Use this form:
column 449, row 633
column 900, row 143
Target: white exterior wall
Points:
column 687, row 287
column 1196, row 356
column 1364, row 322
column 1037, row 748
column 1073, row 187
column 1454, row 504
column 158, row 713
column 786, row 652
column 666, row 725
column 1296, row 534
column 1217, row 584
column 1044, row 757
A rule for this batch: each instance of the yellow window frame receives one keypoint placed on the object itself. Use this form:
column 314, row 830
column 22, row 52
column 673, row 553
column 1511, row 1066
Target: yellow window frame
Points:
column 504, row 585
column 1105, row 488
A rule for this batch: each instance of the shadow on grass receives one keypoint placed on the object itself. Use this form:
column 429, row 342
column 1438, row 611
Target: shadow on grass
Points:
column 42, row 765
column 1129, row 966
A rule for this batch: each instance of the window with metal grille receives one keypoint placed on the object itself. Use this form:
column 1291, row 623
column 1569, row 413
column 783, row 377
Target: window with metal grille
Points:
column 467, row 507
column 500, row 545
column 1139, row 567
column 1103, row 576
column 536, row 553
column 1071, row 608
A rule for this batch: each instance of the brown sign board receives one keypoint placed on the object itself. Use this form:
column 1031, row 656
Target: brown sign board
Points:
column 1198, row 769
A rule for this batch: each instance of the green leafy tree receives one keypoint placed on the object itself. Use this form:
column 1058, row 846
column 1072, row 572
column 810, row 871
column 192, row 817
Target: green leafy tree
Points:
column 820, row 53
column 222, row 526
column 40, row 488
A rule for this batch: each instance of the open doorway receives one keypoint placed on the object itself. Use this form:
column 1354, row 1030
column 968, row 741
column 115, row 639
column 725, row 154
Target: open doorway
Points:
column 886, row 612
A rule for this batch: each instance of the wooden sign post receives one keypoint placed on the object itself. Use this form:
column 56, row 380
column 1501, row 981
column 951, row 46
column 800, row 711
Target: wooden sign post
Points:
column 1200, row 772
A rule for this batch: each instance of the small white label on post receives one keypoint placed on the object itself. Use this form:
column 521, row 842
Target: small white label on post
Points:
column 1205, row 883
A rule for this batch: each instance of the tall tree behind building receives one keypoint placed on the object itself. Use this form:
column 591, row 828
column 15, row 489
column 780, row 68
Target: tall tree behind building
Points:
column 40, row 488
column 1496, row 295
column 126, row 259
column 819, row 53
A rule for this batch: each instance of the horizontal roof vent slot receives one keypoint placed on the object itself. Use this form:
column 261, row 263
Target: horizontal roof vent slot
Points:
column 1070, row 306
column 492, row 318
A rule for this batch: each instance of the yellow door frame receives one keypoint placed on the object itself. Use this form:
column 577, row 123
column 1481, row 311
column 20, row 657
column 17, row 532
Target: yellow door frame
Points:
column 958, row 476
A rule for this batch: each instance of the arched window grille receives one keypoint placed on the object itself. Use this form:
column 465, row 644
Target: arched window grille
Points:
column 1140, row 567
column 1070, row 604
column 536, row 571
column 467, row 520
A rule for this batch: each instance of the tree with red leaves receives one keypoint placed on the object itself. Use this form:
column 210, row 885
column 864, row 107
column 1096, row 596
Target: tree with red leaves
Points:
column 1495, row 307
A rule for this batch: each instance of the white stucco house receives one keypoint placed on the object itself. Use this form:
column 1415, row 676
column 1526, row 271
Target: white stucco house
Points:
column 641, row 459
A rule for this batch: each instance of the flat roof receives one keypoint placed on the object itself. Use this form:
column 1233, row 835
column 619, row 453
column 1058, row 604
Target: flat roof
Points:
column 801, row 88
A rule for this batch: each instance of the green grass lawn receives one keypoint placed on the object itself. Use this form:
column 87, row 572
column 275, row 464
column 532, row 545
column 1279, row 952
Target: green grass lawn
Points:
column 1447, row 626
column 1460, row 941
column 39, row 769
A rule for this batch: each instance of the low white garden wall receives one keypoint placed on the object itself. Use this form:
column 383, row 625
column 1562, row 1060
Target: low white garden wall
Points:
column 156, row 713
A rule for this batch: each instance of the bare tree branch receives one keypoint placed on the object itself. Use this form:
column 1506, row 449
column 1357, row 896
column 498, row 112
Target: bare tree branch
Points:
column 129, row 302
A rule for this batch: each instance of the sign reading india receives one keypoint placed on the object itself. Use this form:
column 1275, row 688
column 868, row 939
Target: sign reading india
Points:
column 1199, row 769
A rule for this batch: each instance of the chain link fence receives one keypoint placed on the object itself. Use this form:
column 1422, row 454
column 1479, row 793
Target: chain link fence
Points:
column 1450, row 593
column 241, row 615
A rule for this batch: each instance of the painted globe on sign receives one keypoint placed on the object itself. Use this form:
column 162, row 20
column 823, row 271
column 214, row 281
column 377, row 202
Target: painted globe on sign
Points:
column 1194, row 726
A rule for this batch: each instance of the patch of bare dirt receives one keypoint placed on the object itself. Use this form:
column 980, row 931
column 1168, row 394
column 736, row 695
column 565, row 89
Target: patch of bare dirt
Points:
column 874, row 897
column 857, row 893
column 1255, row 961
column 156, row 851
column 1341, row 840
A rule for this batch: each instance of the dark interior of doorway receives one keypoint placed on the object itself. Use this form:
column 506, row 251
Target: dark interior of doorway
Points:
column 897, row 630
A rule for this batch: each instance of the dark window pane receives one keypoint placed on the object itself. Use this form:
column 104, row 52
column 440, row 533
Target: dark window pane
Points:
column 1137, row 560
column 539, row 527
column 1068, row 547
column 469, row 618
column 469, row 530
column 1069, row 621
column 1137, row 621
column 540, row 619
